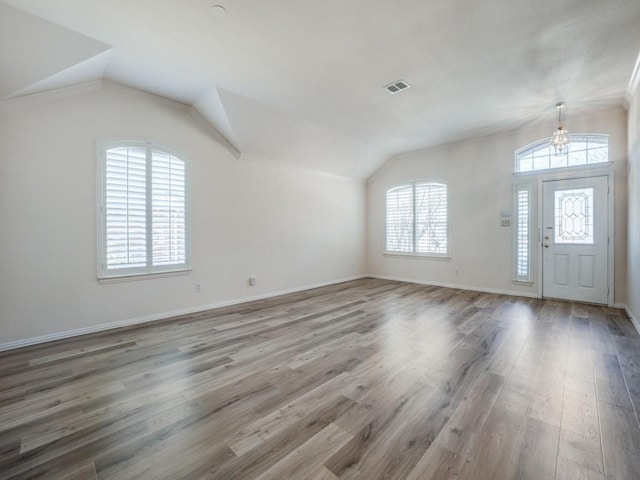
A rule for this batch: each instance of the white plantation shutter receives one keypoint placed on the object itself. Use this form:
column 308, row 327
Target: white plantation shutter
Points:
column 416, row 219
column 400, row 219
column 168, row 210
column 143, row 221
column 522, row 234
column 126, row 211
column 431, row 218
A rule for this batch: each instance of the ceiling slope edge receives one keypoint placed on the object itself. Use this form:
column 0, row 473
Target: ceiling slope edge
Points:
column 264, row 132
column 211, row 109
column 213, row 131
column 33, row 50
column 634, row 84
column 26, row 101
column 87, row 71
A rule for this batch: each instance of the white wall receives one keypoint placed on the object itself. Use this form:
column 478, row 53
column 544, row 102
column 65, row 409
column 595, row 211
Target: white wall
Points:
column 633, row 278
column 479, row 175
column 288, row 227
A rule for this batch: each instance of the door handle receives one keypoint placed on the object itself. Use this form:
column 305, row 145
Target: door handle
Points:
column 546, row 245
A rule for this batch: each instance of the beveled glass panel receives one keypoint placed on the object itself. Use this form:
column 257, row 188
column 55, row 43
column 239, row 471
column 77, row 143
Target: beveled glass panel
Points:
column 574, row 216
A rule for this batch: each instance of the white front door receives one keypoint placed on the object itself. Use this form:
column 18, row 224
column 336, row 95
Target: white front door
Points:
column 575, row 239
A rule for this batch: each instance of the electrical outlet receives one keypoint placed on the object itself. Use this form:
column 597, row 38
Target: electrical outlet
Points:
column 198, row 289
column 252, row 281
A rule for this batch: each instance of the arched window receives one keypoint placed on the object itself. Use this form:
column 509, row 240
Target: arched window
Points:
column 416, row 219
column 585, row 149
column 143, row 218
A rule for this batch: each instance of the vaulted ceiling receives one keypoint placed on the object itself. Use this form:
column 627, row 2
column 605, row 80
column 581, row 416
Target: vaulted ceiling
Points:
column 302, row 81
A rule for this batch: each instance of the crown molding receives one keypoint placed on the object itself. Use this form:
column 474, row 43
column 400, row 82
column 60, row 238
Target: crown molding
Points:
column 26, row 101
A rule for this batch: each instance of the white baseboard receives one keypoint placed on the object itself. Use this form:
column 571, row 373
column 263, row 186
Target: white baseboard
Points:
column 626, row 308
column 187, row 311
column 164, row 315
column 457, row 286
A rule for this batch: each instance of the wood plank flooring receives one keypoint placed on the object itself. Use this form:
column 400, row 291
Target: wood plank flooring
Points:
column 368, row 380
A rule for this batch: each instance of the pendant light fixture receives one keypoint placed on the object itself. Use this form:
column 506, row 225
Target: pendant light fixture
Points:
column 560, row 139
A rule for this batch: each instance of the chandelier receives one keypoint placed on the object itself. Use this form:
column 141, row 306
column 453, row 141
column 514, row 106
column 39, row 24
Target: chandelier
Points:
column 560, row 139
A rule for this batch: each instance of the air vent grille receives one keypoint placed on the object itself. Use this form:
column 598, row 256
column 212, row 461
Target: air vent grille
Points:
column 396, row 87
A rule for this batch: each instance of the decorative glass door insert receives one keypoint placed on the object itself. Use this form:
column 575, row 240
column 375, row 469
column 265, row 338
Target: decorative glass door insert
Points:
column 574, row 216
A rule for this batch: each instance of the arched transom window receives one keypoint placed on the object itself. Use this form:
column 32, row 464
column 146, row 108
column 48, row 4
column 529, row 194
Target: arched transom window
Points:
column 585, row 149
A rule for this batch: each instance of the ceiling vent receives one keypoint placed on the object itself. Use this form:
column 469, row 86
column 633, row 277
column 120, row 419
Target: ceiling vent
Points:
column 397, row 86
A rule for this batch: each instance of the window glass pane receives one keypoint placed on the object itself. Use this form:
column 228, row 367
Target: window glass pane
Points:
column 577, row 146
column 543, row 150
column 525, row 164
column 596, row 141
column 431, row 218
column 598, row 155
column 399, row 211
column 541, row 162
column 577, row 158
column 558, row 161
column 574, row 216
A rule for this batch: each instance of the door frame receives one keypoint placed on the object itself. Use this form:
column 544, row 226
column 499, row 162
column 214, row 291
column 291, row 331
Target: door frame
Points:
column 570, row 174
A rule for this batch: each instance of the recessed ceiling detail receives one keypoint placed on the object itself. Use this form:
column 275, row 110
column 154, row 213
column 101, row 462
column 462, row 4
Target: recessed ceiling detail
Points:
column 396, row 87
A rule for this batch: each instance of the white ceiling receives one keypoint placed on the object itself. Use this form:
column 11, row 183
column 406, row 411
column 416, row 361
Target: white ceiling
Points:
column 302, row 81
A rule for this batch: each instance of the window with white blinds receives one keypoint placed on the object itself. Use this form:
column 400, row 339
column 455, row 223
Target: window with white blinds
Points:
column 417, row 219
column 522, row 234
column 143, row 210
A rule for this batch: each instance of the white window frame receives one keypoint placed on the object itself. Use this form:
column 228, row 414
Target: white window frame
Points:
column 149, row 271
column 413, row 252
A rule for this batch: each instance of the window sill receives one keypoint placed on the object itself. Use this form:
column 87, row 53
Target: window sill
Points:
column 426, row 256
column 142, row 276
